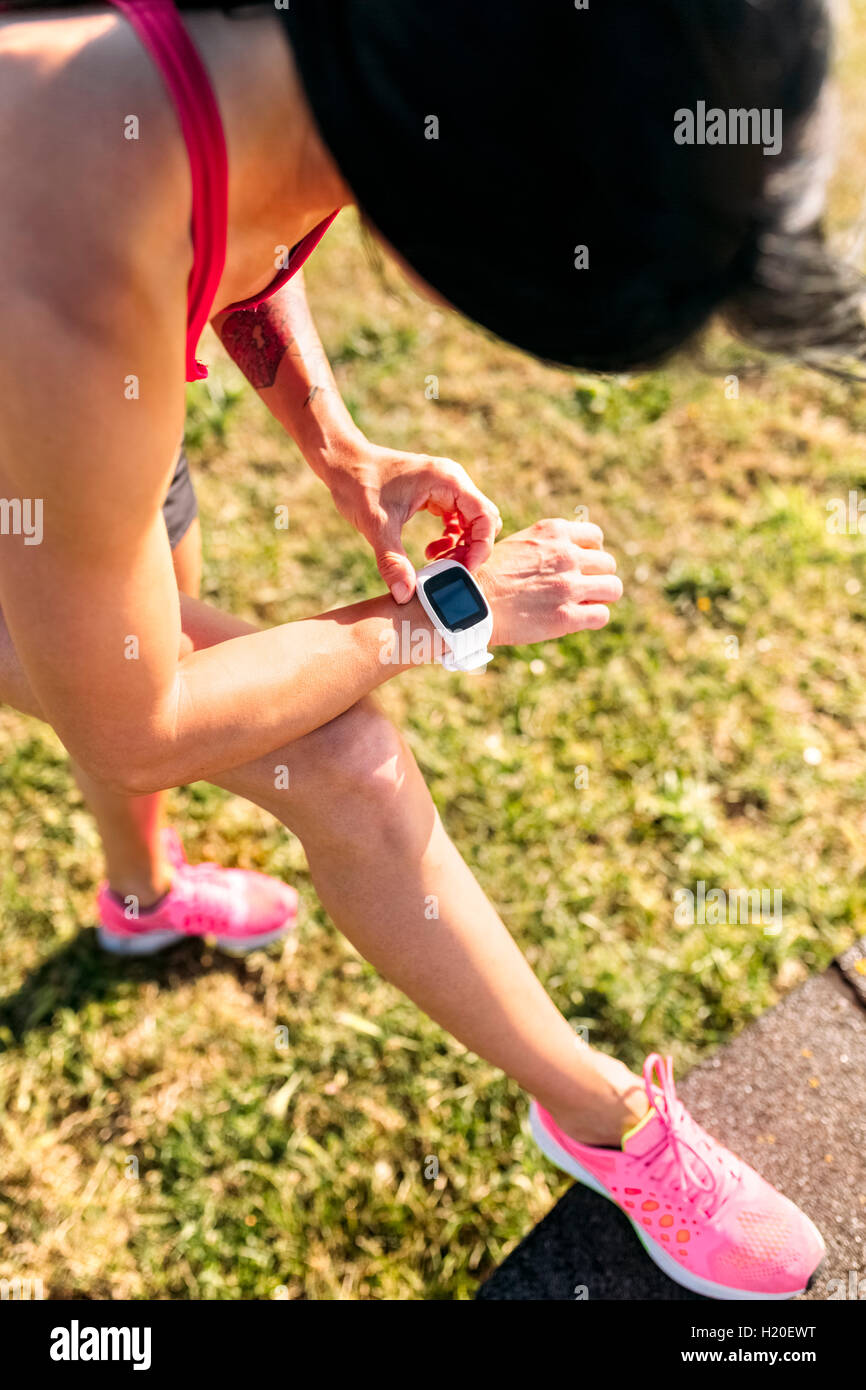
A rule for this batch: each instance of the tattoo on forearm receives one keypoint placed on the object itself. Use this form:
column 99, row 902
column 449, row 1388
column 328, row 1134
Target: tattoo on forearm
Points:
column 258, row 340
column 312, row 396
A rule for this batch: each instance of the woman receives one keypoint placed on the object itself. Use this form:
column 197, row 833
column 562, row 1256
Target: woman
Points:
column 520, row 162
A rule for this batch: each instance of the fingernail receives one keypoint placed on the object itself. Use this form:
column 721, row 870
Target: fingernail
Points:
column 401, row 591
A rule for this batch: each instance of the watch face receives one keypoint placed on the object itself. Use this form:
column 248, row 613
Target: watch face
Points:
column 456, row 599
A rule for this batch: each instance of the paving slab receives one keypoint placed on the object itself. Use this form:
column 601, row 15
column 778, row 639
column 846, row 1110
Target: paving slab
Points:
column 853, row 967
column 788, row 1095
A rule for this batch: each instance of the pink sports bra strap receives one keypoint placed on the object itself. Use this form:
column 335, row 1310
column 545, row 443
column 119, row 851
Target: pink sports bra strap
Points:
column 298, row 254
column 161, row 30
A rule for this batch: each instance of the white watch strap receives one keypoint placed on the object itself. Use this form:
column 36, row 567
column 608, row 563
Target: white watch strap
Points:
column 468, row 649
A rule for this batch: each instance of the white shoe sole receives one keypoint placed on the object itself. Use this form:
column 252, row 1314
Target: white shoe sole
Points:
column 666, row 1263
column 148, row 943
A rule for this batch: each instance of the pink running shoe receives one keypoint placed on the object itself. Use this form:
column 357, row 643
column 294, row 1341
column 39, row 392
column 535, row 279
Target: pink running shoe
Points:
column 240, row 909
column 705, row 1218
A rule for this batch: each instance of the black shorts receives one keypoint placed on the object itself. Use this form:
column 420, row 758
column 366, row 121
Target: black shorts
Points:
column 180, row 507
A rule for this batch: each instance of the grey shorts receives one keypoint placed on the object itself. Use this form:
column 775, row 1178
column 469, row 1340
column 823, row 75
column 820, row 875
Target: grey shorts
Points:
column 180, row 507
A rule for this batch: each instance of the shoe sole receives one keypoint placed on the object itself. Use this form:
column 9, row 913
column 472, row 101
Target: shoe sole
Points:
column 666, row 1263
column 148, row 944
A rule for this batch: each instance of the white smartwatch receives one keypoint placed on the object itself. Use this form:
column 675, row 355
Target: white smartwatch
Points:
column 459, row 612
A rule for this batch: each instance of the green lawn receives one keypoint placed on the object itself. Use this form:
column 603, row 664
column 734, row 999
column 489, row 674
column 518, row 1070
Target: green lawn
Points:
column 158, row 1136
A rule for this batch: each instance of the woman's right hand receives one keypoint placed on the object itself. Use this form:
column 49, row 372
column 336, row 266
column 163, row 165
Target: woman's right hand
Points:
column 549, row 580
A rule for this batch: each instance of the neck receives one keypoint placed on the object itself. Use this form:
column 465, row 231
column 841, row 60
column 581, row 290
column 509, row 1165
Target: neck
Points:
column 282, row 179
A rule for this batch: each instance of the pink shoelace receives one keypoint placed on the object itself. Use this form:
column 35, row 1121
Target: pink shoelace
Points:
column 677, row 1152
column 207, row 895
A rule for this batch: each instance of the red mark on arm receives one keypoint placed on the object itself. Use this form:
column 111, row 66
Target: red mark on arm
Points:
column 258, row 340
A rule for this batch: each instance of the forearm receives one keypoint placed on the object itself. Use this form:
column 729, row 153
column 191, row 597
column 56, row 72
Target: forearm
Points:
column 278, row 348
column 236, row 700
column 238, row 693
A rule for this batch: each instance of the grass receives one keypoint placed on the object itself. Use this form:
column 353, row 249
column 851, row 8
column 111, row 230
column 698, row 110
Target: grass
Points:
column 291, row 1127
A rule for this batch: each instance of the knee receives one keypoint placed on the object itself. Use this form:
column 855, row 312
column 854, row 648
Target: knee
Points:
column 352, row 778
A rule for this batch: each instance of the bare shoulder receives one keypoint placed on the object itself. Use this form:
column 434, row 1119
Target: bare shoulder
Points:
column 94, row 160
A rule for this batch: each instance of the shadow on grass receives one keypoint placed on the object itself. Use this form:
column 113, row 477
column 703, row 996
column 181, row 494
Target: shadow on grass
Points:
column 82, row 973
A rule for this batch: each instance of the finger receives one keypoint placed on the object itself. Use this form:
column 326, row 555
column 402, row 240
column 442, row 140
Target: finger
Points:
column 459, row 552
column 439, row 508
column 451, row 520
column 454, row 518
column 443, row 545
column 476, row 513
column 453, row 534
column 394, row 565
column 586, row 534
column 452, row 523
column 601, row 588
column 460, row 545
column 597, row 562
column 592, row 616
column 478, row 549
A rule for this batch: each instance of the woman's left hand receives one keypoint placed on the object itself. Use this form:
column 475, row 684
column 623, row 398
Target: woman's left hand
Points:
column 379, row 489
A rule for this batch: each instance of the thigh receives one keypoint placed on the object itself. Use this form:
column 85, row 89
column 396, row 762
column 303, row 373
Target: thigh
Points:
column 329, row 765
column 202, row 626
column 180, row 511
